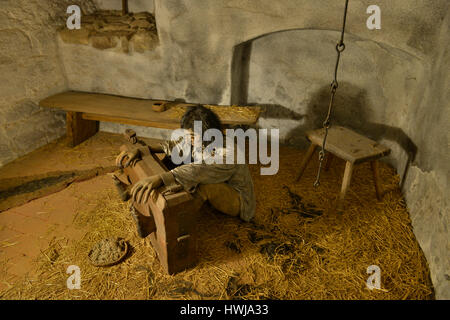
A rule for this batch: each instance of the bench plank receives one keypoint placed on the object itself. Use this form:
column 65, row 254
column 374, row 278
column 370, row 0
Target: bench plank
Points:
column 103, row 107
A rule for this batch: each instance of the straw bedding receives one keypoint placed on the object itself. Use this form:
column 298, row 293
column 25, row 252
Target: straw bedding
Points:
column 235, row 113
column 297, row 247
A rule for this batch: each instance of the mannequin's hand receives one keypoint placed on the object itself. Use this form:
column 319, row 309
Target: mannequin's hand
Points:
column 142, row 189
column 132, row 157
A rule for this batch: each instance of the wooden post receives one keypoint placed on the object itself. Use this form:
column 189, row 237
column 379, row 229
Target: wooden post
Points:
column 79, row 129
column 306, row 159
column 124, row 7
column 374, row 165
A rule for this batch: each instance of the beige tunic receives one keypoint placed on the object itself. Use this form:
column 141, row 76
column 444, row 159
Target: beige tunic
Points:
column 236, row 175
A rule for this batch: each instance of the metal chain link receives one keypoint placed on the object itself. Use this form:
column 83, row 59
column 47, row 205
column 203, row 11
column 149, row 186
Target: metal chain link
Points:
column 340, row 47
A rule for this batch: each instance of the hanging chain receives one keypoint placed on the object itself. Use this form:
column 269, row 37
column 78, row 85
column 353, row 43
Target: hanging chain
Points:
column 340, row 47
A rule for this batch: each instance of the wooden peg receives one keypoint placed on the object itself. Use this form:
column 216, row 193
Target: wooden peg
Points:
column 124, row 7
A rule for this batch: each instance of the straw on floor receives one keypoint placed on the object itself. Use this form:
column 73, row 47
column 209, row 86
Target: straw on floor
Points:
column 297, row 247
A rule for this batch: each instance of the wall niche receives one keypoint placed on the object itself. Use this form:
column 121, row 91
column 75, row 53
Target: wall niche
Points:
column 113, row 29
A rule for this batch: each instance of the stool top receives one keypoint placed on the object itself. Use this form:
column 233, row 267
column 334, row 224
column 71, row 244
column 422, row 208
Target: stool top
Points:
column 348, row 145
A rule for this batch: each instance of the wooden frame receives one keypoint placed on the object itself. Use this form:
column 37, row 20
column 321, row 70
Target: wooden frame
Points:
column 172, row 217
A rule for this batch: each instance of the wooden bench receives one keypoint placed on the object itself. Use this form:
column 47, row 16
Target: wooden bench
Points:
column 349, row 146
column 85, row 110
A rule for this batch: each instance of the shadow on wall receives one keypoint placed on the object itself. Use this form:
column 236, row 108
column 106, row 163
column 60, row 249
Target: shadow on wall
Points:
column 350, row 109
column 240, row 74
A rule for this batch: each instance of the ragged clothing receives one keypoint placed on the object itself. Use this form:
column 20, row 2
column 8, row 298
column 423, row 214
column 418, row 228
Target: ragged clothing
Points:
column 191, row 175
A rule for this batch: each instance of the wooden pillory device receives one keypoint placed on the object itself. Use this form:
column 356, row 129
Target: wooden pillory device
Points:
column 168, row 217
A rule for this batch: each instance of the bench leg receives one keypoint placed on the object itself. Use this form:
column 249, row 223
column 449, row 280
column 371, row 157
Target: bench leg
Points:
column 376, row 178
column 345, row 183
column 306, row 159
column 79, row 129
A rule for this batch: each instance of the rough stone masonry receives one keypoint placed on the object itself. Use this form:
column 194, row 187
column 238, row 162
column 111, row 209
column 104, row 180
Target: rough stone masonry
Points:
column 106, row 29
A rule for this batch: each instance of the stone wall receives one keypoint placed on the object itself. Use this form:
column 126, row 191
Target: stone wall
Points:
column 426, row 187
column 111, row 29
column 133, row 5
column 30, row 69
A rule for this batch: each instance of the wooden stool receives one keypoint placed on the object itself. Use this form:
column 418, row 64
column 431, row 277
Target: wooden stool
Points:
column 349, row 146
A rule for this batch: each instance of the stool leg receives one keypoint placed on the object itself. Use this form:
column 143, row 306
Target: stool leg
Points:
column 376, row 178
column 345, row 183
column 328, row 163
column 306, row 159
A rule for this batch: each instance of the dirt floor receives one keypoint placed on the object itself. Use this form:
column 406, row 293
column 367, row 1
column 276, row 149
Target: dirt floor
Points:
column 297, row 247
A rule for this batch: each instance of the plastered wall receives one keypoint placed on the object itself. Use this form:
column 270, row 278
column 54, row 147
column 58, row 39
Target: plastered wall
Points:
column 30, row 69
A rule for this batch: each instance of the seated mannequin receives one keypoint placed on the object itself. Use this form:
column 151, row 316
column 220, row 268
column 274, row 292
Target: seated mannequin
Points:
column 227, row 187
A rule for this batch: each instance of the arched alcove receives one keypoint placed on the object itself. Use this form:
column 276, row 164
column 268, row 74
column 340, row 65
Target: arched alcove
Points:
column 290, row 71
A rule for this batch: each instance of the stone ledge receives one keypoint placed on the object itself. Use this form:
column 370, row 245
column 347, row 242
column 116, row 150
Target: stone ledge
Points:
column 107, row 29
